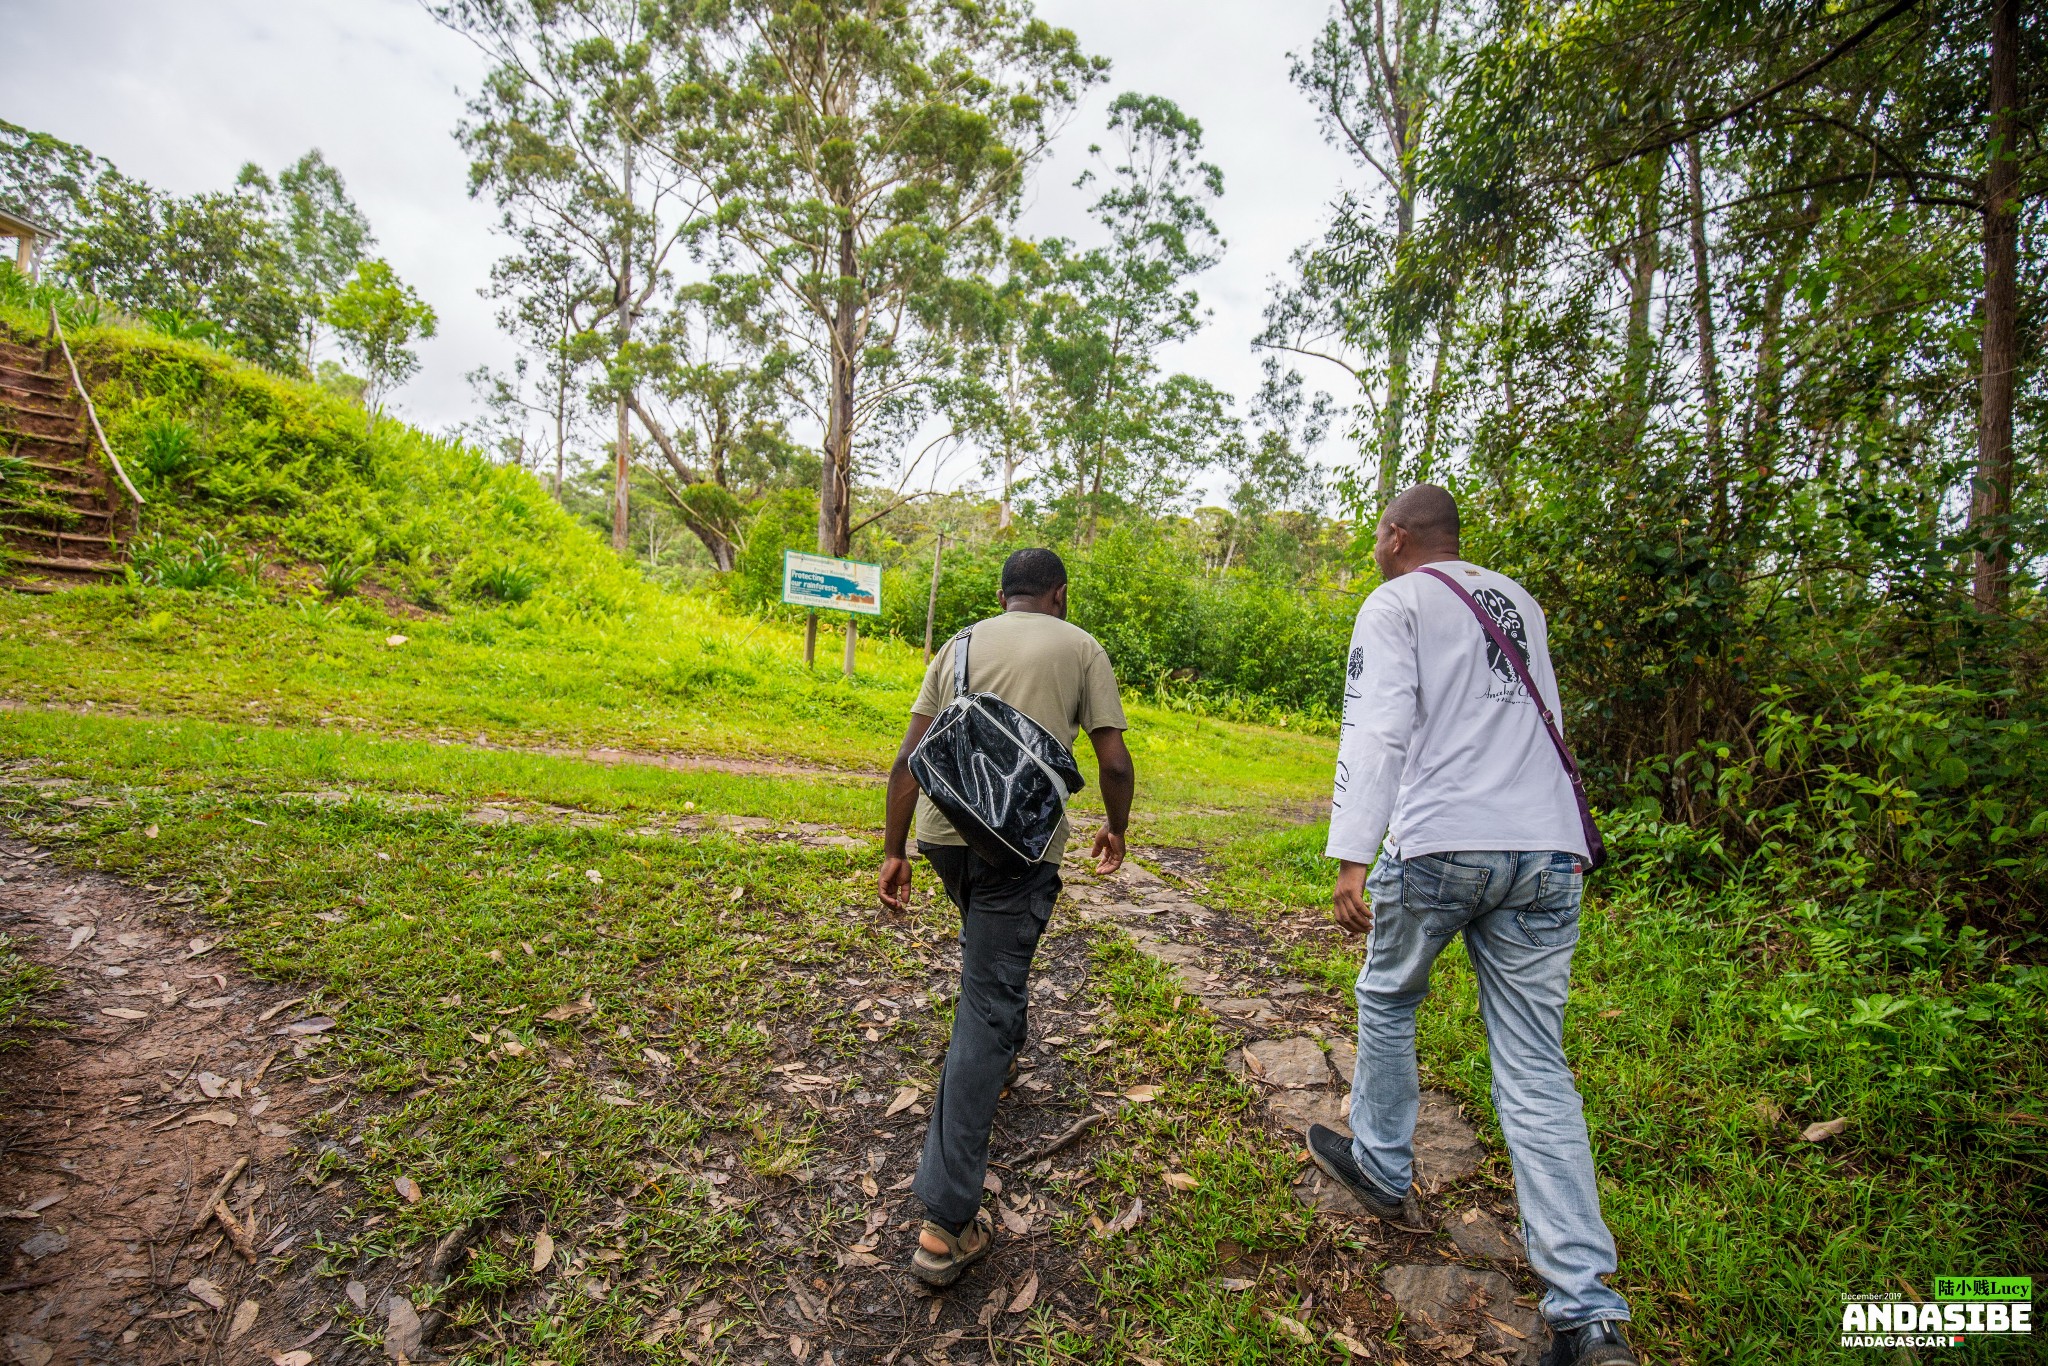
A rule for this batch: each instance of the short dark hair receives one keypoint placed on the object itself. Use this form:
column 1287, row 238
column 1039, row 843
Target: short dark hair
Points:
column 1032, row 573
column 1427, row 512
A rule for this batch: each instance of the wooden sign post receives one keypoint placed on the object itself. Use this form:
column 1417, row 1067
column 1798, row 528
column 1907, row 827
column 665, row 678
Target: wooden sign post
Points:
column 822, row 582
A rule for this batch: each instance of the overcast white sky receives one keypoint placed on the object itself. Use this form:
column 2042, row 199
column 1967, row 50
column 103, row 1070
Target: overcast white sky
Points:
column 182, row 94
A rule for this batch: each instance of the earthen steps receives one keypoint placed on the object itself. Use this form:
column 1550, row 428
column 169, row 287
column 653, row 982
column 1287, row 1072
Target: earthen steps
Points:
column 33, row 382
column 89, row 544
column 43, row 425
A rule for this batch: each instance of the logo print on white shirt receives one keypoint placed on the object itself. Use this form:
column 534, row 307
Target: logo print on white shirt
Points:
column 1508, row 617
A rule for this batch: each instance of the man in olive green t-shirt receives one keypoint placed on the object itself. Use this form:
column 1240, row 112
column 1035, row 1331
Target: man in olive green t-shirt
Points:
column 1057, row 674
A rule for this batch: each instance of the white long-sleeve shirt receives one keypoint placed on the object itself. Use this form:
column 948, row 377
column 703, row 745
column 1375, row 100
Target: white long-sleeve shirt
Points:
column 1441, row 748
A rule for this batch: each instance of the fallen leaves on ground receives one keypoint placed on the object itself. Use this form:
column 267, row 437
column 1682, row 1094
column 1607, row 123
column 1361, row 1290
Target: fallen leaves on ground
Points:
column 408, row 1188
column 1125, row 1222
column 905, row 1097
column 543, row 1251
column 1826, row 1129
column 245, row 1319
column 202, row 1289
column 1294, row 1328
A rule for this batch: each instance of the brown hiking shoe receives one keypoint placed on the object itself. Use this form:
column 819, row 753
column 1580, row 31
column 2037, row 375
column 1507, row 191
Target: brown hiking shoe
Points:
column 963, row 1250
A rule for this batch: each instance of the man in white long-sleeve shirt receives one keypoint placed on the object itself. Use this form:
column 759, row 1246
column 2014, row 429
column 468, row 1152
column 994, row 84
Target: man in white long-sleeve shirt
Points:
column 1444, row 756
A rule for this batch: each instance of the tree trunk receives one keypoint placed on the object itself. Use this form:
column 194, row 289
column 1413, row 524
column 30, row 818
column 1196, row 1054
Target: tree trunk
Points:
column 1435, row 403
column 1009, row 433
column 1703, row 317
column 1644, row 259
column 561, row 433
column 1394, row 417
column 835, row 480
column 623, row 336
column 620, row 450
column 1991, row 503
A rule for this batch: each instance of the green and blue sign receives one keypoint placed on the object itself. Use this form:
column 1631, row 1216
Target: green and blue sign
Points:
column 821, row 582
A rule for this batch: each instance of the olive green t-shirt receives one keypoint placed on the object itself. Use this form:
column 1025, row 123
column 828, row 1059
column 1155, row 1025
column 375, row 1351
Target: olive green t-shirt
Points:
column 1049, row 669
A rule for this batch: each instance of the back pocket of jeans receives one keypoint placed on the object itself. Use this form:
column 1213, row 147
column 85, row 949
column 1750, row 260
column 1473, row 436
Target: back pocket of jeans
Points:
column 1446, row 894
column 1552, row 920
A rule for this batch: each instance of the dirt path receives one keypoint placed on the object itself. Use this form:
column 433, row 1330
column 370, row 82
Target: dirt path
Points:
column 173, row 1069
column 1457, row 1276
column 596, row 754
column 179, row 1065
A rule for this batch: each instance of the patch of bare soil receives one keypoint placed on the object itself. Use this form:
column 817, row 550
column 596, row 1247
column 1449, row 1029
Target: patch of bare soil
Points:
column 146, row 1210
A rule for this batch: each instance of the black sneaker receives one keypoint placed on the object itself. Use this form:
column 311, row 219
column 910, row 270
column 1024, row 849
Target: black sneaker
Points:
column 1332, row 1152
column 1594, row 1344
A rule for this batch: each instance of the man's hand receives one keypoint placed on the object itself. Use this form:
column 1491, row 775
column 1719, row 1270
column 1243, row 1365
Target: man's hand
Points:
column 1348, row 904
column 898, row 807
column 1109, row 851
column 895, row 882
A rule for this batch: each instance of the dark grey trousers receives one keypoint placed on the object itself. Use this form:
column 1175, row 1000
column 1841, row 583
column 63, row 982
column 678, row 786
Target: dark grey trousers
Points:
column 1001, row 919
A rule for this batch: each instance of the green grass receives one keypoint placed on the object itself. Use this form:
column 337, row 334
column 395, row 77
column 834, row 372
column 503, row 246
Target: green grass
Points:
column 1705, row 1037
column 1162, row 1283
column 21, row 982
column 441, row 947
column 679, row 676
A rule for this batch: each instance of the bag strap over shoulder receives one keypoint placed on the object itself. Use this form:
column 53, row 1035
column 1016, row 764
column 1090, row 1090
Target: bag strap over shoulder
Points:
column 1596, row 849
column 960, row 662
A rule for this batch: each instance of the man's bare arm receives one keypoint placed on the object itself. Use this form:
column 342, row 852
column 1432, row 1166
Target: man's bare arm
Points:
column 1119, row 779
column 902, row 804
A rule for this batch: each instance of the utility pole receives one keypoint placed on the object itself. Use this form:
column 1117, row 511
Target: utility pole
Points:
column 931, row 605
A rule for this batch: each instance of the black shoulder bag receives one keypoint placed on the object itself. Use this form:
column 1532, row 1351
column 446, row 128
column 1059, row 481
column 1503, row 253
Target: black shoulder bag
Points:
column 1596, row 850
column 999, row 776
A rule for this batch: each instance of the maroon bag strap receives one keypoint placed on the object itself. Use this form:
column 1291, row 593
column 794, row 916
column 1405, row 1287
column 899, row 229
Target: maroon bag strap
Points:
column 1596, row 849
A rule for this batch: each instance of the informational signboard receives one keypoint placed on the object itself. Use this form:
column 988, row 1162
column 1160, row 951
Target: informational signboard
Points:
column 819, row 581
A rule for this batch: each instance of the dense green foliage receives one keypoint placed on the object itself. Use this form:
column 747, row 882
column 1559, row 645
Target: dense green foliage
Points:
column 1705, row 300
column 254, row 269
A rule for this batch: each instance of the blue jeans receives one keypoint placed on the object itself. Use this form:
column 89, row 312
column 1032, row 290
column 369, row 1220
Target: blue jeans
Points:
column 1519, row 913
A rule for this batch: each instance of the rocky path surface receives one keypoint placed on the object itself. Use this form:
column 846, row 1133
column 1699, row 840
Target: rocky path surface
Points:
column 1458, row 1278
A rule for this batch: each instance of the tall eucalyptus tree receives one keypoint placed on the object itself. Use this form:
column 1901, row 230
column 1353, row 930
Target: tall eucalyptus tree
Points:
column 574, row 135
column 868, row 153
column 1375, row 74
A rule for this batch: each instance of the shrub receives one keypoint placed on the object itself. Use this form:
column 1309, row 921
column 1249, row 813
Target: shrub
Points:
column 167, row 448
column 203, row 565
column 340, row 576
column 498, row 580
